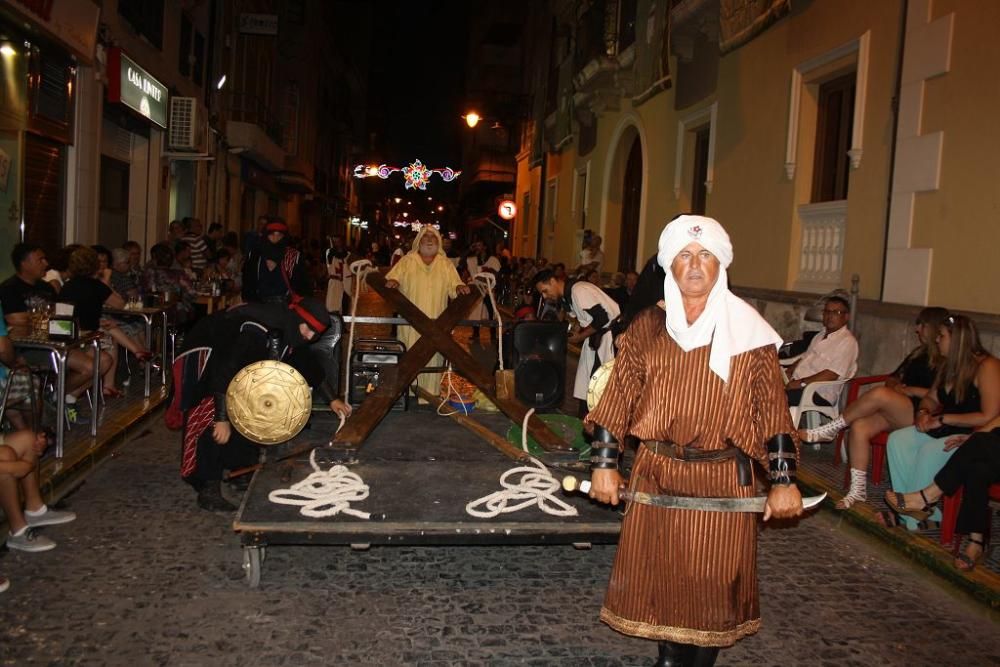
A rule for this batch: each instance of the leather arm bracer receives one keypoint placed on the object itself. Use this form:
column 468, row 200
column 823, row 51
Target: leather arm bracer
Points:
column 220, row 408
column 781, row 459
column 604, row 451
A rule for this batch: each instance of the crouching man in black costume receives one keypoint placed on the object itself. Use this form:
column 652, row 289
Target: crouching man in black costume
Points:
column 215, row 350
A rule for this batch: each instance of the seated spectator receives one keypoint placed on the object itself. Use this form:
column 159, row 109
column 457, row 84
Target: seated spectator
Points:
column 965, row 396
column 21, row 383
column 223, row 269
column 887, row 408
column 160, row 277
column 19, row 454
column 591, row 257
column 182, row 261
column 122, row 279
column 974, row 467
column 559, row 271
column 194, row 240
column 103, row 259
column 832, row 355
column 175, row 231
column 25, row 286
column 134, row 260
column 89, row 295
column 58, row 271
column 213, row 239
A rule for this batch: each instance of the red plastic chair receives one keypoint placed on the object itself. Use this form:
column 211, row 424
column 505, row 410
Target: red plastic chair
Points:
column 878, row 442
column 949, row 515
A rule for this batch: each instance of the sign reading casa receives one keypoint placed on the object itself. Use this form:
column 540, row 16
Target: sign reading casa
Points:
column 135, row 88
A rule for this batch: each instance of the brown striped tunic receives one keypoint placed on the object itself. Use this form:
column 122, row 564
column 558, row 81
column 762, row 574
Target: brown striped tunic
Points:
column 682, row 575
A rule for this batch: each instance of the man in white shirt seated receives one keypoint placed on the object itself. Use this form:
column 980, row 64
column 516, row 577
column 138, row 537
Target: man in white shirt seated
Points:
column 832, row 355
column 591, row 258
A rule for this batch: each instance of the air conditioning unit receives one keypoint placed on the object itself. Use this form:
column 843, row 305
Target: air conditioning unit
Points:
column 184, row 132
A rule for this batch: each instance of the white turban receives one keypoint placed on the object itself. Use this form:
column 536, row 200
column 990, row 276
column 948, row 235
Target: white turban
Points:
column 728, row 323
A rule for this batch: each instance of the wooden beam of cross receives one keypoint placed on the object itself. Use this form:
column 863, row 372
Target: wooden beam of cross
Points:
column 394, row 380
column 437, row 334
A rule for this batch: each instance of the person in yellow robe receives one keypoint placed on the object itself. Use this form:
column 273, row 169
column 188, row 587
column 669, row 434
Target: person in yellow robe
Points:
column 426, row 277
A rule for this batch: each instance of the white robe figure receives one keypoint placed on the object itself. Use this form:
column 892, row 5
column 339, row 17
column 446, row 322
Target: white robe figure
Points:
column 428, row 286
column 583, row 296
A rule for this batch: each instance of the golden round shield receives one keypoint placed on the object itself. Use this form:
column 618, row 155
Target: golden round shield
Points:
column 598, row 382
column 268, row 402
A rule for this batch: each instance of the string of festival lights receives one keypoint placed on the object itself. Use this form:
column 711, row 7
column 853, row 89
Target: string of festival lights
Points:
column 416, row 175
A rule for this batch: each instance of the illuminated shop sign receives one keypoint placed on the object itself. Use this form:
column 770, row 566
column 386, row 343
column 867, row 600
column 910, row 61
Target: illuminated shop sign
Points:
column 135, row 88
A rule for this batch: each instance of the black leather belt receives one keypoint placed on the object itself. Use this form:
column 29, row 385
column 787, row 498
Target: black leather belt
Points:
column 682, row 453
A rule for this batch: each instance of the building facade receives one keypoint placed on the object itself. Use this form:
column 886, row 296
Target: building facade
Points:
column 833, row 139
column 120, row 116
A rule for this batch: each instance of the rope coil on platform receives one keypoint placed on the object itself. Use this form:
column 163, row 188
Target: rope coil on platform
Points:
column 325, row 492
column 536, row 487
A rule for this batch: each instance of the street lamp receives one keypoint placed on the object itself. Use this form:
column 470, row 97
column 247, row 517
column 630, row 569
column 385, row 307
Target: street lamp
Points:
column 471, row 119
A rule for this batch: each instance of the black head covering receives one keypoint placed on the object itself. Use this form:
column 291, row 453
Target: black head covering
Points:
column 287, row 318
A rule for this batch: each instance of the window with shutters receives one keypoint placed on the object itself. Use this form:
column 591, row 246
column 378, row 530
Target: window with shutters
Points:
column 832, row 164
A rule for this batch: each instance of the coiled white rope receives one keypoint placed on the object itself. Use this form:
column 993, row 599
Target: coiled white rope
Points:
column 536, row 487
column 360, row 270
column 325, row 492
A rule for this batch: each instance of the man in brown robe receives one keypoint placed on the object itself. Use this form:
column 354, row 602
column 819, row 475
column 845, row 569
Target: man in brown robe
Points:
column 705, row 395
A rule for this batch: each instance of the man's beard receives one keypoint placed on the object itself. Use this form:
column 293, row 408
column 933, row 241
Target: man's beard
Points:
column 427, row 251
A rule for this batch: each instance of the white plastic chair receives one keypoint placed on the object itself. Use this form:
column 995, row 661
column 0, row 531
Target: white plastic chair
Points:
column 807, row 404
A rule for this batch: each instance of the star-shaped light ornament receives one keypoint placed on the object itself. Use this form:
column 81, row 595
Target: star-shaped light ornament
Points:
column 416, row 176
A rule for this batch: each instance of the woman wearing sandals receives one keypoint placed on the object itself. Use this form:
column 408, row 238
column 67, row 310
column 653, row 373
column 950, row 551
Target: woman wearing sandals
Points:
column 886, row 408
column 965, row 397
column 975, row 466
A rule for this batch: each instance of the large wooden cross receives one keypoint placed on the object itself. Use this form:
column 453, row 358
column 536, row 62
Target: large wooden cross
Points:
column 435, row 336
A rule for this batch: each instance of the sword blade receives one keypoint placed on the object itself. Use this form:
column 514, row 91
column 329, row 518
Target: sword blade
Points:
column 753, row 504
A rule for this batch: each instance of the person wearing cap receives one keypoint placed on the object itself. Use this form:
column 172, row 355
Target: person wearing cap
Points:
column 697, row 381
column 274, row 271
column 221, row 345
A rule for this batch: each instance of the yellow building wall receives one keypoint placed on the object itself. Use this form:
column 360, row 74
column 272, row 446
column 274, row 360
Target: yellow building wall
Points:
column 752, row 196
column 959, row 221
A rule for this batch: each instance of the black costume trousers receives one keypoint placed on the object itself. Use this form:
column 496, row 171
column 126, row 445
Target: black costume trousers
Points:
column 974, row 466
column 213, row 458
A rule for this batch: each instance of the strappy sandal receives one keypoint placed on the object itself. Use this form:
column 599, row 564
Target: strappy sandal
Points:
column 897, row 504
column 967, row 563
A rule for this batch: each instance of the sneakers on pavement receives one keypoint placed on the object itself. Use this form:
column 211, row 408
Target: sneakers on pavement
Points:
column 74, row 417
column 30, row 541
column 49, row 517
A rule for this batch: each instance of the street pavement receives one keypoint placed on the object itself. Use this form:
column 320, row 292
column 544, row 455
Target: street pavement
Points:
column 145, row 578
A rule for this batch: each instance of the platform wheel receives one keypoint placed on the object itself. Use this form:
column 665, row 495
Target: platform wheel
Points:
column 252, row 559
column 582, row 546
column 361, row 546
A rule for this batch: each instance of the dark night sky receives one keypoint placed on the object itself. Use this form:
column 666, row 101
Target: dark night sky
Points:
column 416, row 87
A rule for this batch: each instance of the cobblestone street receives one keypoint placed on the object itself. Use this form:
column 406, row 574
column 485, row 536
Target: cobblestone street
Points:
column 145, row 578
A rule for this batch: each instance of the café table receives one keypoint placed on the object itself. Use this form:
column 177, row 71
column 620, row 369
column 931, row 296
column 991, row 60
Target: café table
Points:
column 148, row 315
column 25, row 338
column 211, row 302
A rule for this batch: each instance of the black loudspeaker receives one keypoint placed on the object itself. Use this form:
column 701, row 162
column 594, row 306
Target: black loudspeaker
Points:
column 539, row 362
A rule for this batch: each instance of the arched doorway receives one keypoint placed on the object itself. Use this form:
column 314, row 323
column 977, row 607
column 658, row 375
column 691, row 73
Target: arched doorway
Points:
column 631, row 201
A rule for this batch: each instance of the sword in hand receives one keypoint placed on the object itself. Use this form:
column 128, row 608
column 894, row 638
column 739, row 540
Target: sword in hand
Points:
column 752, row 504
